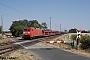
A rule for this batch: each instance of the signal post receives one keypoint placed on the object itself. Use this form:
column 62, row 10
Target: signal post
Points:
column 78, row 38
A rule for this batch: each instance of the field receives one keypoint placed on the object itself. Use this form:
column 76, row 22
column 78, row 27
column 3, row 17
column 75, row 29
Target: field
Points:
column 24, row 55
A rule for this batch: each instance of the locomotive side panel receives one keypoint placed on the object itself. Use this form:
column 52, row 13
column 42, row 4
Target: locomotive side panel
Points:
column 37, row 32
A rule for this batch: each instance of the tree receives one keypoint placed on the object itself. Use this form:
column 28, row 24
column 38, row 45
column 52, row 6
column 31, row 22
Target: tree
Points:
column 35, row 24
column 44, row 25
column 72, row 30
column 83, row 31
column 65, row 31
column 17, row 27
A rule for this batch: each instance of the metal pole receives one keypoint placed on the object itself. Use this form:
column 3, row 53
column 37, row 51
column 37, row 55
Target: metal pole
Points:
column 60, row 28
column 77, row 44
column 2, row 25
column 50, row 23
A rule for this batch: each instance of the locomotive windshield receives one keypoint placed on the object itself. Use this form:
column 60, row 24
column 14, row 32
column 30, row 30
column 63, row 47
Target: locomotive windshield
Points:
column 27, row 29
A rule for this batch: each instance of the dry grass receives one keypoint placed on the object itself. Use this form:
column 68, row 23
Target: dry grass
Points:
column 24, row 55
column 21, row 55
column 5, row 40
column 68, row 36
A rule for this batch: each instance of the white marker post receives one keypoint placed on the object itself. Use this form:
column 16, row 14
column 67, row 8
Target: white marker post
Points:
column 78, row 38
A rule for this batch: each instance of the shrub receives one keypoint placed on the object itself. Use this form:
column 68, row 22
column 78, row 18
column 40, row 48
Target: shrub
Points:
column 73, row 37
column 0, row 37
column 85, row 42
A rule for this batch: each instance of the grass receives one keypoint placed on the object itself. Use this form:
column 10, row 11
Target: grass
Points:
column 22, row 55
column 5, row 40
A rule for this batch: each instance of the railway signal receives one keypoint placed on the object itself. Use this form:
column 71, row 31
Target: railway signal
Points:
column 78, row 37
column 78, row 34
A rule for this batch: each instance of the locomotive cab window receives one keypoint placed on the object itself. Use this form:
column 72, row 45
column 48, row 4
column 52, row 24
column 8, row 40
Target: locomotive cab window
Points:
column 25, row 29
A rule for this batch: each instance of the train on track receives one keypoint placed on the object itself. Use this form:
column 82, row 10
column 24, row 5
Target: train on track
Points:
column 31, row 32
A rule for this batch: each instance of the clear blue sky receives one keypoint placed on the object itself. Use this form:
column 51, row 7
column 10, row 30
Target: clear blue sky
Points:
column 68, row 13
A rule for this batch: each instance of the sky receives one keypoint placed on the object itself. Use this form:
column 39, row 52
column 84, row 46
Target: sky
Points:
column 69, row 13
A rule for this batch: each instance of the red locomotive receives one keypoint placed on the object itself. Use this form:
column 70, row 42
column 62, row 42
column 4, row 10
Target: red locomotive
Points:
column 31, row 32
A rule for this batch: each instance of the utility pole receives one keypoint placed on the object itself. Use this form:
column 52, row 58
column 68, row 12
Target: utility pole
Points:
column 50, row 23
column 60, row 28
column 2, row 24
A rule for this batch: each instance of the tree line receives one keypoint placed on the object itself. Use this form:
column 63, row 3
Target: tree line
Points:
column 17, row 26
column 74, row 31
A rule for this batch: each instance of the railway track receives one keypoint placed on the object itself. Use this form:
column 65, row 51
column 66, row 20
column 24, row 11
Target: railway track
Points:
column 34, row 41
column 8, row 48
column 13, row 46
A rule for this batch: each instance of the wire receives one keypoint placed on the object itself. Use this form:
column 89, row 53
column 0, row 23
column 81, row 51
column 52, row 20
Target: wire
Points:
column 25, row 9
column 15, row 9
column 19, row 10
column 9, row 15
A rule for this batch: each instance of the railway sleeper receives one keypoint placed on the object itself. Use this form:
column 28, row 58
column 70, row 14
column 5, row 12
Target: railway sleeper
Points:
column 7, row 47
column 8, row 51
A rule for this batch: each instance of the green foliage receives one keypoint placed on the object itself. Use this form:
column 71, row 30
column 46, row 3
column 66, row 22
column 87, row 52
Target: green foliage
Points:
column 44, row 25
column 83, row 31
column 17, row 26
column 72, row 30
column 0, row 37
column 85, row 42
column 73, row 37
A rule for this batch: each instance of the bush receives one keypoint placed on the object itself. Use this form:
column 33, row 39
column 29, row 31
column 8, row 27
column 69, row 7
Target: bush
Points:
column 73, row 37
column 85, row 42
column 0, row 37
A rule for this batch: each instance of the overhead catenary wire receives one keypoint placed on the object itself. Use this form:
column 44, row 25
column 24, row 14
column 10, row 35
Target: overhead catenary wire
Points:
column 26, row 9
column 16, row 10
column 9, row 15
column 23, row 8
column 19, row 10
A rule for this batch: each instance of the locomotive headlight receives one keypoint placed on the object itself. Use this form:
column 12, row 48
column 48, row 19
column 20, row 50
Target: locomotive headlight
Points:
column 28, row 32
column 23, row 32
